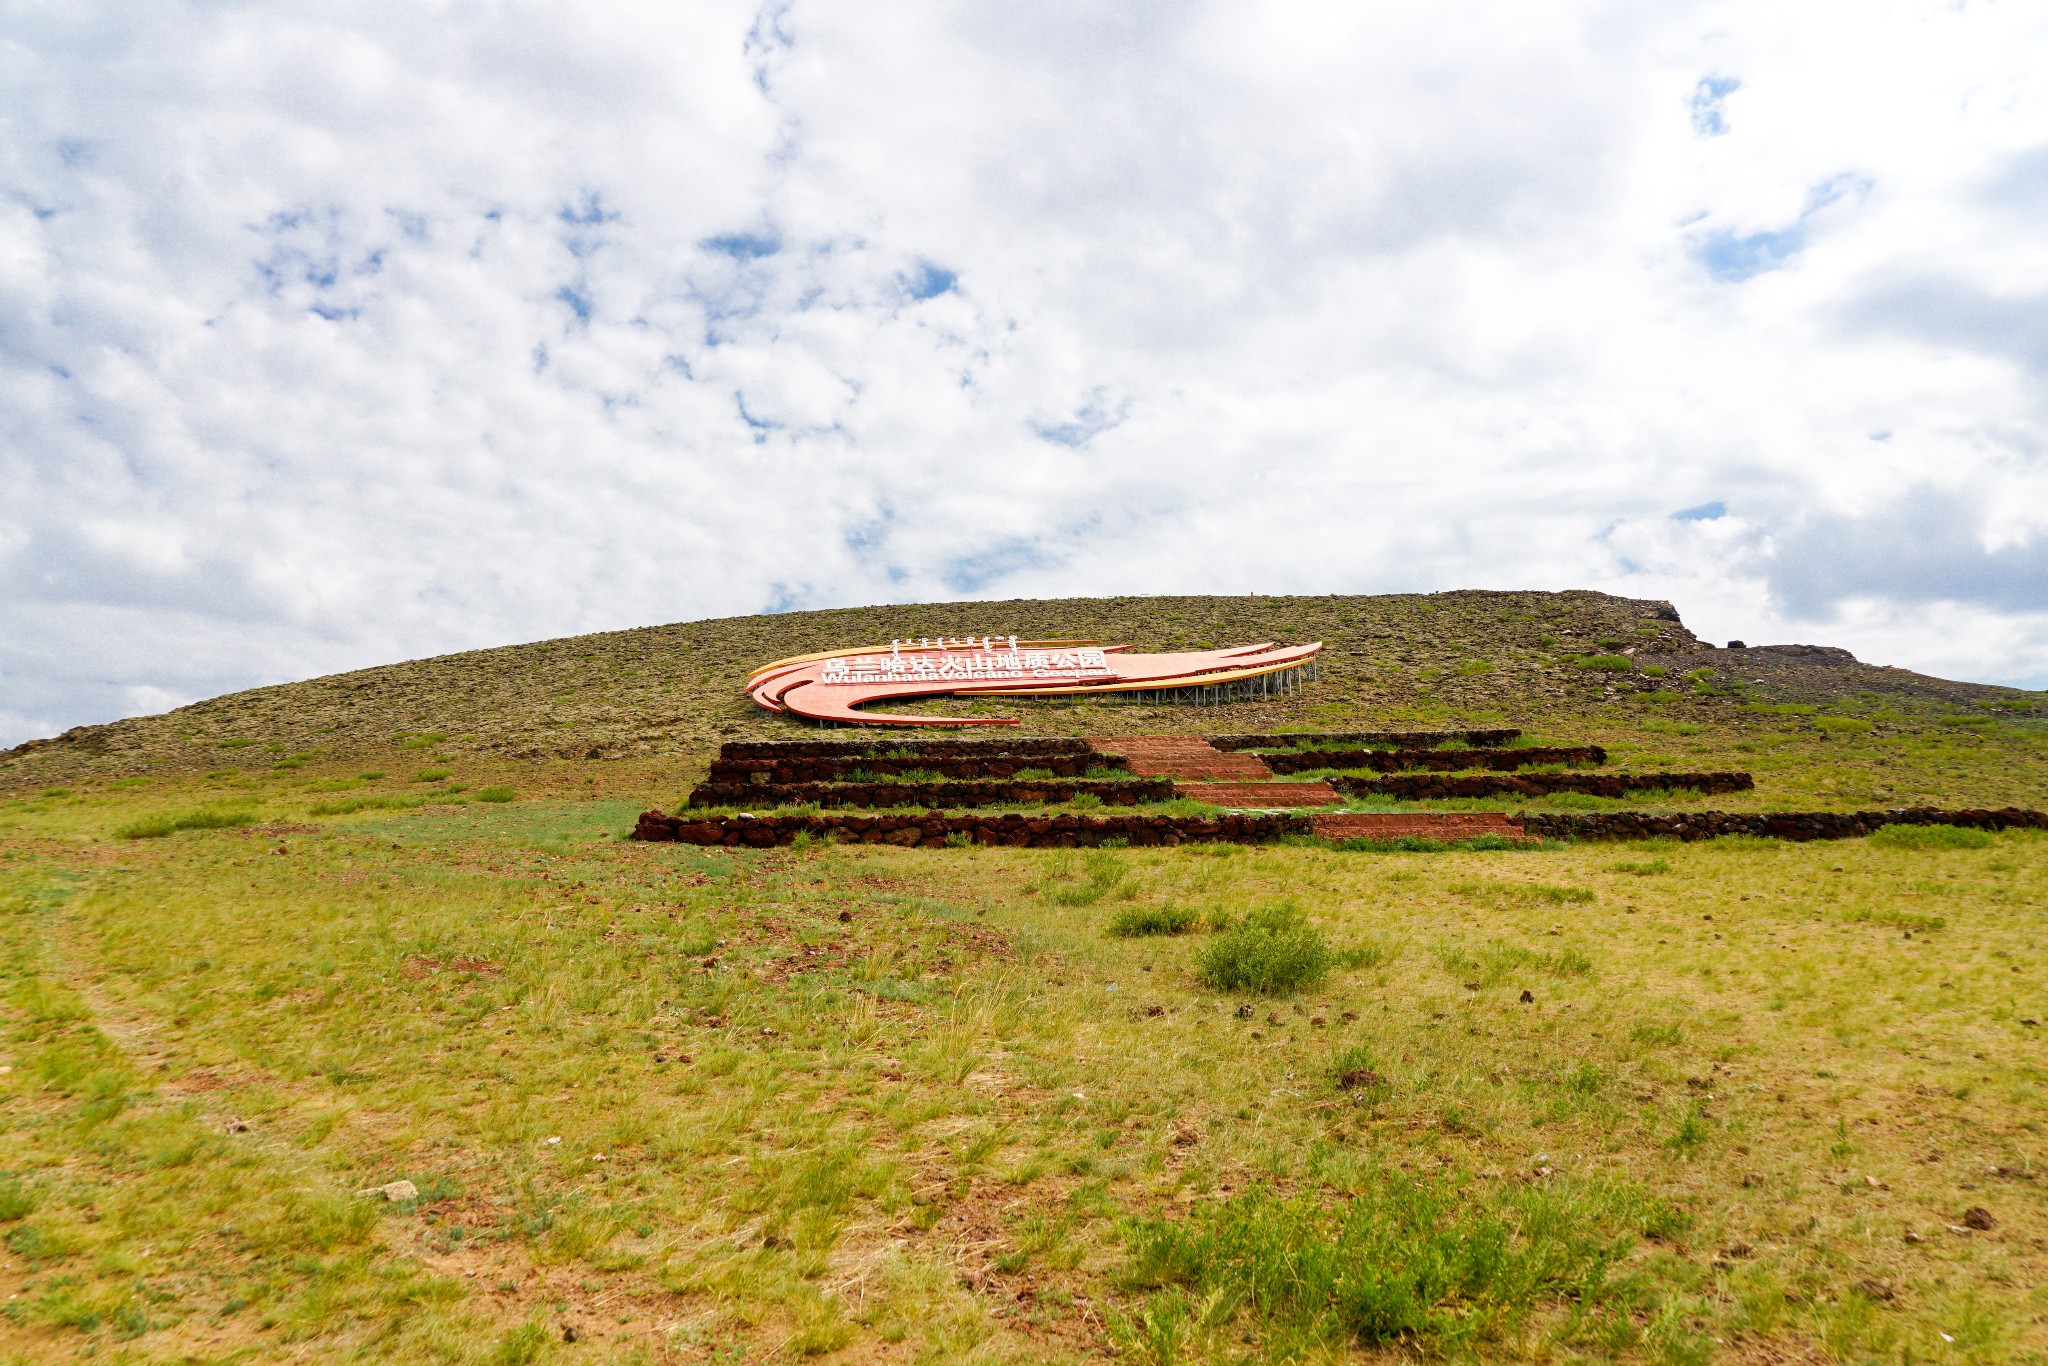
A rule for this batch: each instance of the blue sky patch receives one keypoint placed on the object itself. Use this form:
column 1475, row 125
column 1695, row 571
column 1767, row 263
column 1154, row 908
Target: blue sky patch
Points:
column 929, row 282
column 1705, row 512
column 972, row 573
column 743, row 246
column 1707, row 98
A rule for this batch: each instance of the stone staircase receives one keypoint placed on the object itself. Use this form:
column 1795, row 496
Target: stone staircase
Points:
column 1208, row 774
column 1187, row 758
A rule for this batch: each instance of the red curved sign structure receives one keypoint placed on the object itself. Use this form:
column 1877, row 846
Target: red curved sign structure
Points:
column 828, row 687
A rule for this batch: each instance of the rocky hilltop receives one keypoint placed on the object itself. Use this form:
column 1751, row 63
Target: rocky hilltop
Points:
column 676, row 689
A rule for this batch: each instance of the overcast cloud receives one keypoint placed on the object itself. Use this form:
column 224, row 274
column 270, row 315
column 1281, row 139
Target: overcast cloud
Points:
column 334, row 335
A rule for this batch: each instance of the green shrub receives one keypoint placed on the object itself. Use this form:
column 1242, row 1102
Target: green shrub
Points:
column 494, row 794
column 1609, row 663
column 1272, row 951
column 431, row 775
column 1134, row 921
column 1843, row 725
column 1474, row 666
column 1931, row 837
column 1655, row 670
column 169, row 823
column 16, row 1201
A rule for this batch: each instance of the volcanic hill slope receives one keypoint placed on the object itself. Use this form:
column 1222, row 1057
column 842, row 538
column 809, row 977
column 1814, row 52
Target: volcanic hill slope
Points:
column 675, row 691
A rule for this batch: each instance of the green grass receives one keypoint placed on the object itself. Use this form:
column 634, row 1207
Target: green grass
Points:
column 973, row 1070
column 1419, row 1262
column 171, row 822
column 1272, row 951
column 1133, row 921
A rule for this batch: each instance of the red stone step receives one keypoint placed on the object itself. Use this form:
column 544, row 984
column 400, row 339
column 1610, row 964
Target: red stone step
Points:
column 1431, row 825
column 1259, row 794
column 1182, row 756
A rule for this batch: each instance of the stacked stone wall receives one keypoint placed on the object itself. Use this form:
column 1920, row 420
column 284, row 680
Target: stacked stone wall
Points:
column 1436, row 787
column 1400, row 739
column 1439, row 760
column 787, row 769
column 923, row 749
column 965, row 793
column 1784, row 825
column 936, row 830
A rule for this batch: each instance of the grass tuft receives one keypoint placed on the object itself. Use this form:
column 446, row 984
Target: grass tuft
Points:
column 169, row 823
column 1417, row 1262
column 1134, row 921
column 1271, row 952
column 1931, row 837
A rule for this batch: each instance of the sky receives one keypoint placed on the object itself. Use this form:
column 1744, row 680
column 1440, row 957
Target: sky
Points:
column 333, row 335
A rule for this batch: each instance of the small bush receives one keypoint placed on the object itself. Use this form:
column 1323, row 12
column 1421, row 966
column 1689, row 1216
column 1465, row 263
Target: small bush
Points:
column 210, row 818
column 16, row 1201
column 1843, row 725
column 1134, row 921
column 1931, row 837
column 1271, row 952
column 1474, row 666
column 1607, row 663
column 431, row 775
column 494, row 794
column 1655, row 670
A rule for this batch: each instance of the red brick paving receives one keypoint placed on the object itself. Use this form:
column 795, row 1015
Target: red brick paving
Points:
column 1187, row 757
column 1260, row 794
column 1433, row 825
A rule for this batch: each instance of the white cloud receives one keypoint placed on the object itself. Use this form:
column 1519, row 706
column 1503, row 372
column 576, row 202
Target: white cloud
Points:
column 332, row 337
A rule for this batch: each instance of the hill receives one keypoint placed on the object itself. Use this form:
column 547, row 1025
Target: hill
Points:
column 343, row 1022
column 675, row 690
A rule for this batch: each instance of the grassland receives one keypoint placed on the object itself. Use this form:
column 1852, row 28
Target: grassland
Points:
column 1762, row 1102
